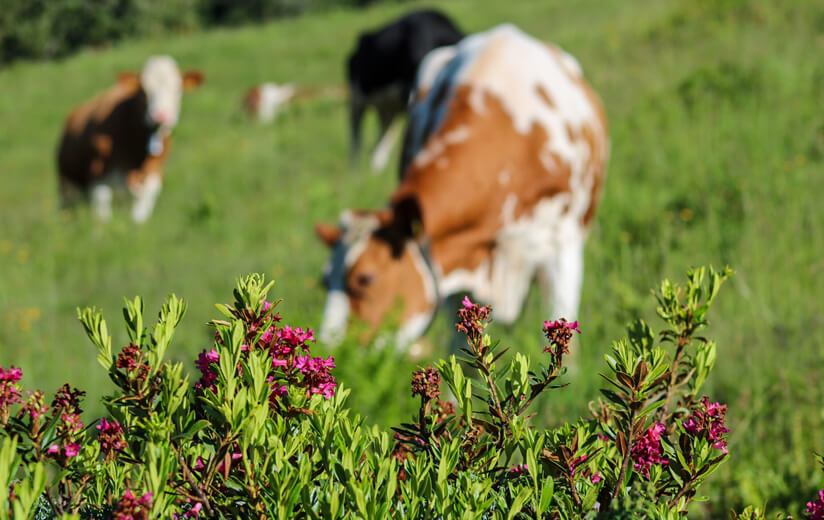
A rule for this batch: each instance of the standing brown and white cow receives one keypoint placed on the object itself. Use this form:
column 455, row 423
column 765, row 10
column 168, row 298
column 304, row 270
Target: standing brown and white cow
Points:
column 123, row 136
column 505, row 157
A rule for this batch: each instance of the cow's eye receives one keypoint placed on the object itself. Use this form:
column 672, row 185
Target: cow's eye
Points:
column 363, row 280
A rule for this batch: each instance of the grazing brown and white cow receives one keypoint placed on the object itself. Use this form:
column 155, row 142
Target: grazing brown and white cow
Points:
column 506, row 152
column 263, row 102
column 123, row 136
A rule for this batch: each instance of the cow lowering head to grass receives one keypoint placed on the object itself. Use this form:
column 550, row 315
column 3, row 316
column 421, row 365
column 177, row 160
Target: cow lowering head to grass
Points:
column 122, row 138
column 503, row 163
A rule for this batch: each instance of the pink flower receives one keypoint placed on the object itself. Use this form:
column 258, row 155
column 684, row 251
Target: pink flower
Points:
column 72, row 422
column 561, row 324
column 815, row 509
column 518, row 468
column 709, row 421
column 194, row 512
column 53, row 449
column 647, row 450
column 35, row 406
column 9, row 393
column 11, row 375
column 131, row 508
column 72, row 450
column 595, row 478
column 110, row 436
column 473, row 319
column 575, row 462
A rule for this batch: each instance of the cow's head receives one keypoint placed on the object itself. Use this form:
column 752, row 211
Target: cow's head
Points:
column 377, row 263
column 163, row 85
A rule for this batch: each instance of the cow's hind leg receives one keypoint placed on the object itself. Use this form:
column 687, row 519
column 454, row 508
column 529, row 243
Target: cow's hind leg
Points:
column 101, row 200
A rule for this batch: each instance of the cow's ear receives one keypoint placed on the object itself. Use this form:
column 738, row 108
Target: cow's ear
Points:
column 408, row 221
column 328, row 234
column 129, row 79
column 192, row 79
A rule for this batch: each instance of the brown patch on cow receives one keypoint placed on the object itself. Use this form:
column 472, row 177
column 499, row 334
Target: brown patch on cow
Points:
column 251, row 101
column 544, row 95
column 463, row 229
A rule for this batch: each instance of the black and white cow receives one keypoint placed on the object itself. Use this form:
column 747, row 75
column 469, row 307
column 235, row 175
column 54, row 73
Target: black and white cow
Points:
column 381, row 73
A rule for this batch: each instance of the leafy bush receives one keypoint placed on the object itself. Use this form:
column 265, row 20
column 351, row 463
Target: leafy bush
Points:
column 31, row 29
column 265, row 432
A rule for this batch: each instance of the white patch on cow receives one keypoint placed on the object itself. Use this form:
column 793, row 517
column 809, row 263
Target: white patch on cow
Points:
column 504, row 177
column 548, row 240
column 508, row 208
column 510, row 66
column 101, row 197
column 412, row 329
column 335, row 316
column 431, row 66
column 163, row 85
column 145, row 196
column 457, row 135
column 272, row 99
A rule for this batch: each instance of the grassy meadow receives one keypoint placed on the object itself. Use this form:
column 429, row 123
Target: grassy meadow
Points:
column 717, row 121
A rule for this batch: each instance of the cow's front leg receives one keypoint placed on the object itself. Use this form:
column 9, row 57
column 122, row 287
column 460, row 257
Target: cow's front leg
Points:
column 562, row 275
column 145, row 192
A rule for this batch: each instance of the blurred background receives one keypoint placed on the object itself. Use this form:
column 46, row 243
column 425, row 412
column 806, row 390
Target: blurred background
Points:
column 716, row 114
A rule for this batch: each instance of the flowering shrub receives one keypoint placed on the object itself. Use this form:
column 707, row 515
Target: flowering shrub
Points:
column 264, row 431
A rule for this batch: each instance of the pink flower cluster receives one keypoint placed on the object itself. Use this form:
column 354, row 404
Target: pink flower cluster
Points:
column 208, row 375
column 710, row 420
column 426, row 383
column 473, row 319
column 647, row 450
column 132, row 508
column 9, row 391
column 110, row 436
column 317, row 377
column 66, row 403
column 559, row 334
column 291, row 362
column 35, row 406
column 815, row 509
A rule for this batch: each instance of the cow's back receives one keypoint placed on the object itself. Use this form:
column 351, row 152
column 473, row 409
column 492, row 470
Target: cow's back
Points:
column 106, row 133
column 502, row 122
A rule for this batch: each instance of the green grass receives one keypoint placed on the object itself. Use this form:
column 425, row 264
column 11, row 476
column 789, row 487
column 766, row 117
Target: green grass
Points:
column 717, row 152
